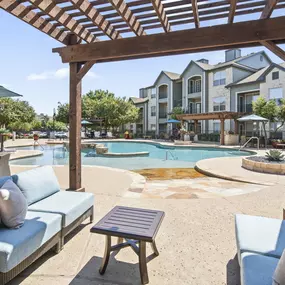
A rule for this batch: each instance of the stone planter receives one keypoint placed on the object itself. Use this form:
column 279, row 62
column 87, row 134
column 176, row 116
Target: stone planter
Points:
column 186, row 137
column 231, row 139
column 272, row 168
column 101, row 149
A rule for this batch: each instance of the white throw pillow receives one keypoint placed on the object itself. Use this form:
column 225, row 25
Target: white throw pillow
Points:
column 13, row 205
column 279, row 274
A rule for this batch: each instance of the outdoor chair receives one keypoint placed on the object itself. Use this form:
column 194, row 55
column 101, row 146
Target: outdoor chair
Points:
column 260, row 244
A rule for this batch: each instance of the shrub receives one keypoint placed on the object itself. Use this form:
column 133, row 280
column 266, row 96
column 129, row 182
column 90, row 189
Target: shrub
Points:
column 274, row 155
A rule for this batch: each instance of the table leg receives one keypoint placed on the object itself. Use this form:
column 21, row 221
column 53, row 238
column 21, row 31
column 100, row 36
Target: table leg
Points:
column 106, row 255
column 154, row 248
column 142, row 262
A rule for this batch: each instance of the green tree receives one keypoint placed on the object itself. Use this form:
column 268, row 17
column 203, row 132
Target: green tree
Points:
column 36, row 125
column 15, row 113
column 102, row 104
column 176, row 111
column 270, row 110
column 62, row 114
column 58, row 126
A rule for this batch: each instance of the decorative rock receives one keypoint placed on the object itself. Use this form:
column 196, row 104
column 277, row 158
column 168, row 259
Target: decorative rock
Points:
column 101, row 149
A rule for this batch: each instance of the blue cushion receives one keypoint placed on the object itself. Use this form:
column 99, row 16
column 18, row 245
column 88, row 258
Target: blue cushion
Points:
column 71, row 205
column 257, row 269
column 37, row 183
column 3, row 179
column 260, row 235
column 17, row 244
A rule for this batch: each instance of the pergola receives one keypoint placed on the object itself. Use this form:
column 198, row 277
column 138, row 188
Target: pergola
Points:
column 84, row 26
column 222, row 116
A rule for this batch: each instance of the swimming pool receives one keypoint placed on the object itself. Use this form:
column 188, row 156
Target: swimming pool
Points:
column 160, row 156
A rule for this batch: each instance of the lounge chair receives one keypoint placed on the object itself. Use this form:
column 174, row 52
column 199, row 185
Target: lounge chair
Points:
column 260, row 244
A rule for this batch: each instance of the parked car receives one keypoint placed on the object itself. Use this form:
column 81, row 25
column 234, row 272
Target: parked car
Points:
column 60, row 135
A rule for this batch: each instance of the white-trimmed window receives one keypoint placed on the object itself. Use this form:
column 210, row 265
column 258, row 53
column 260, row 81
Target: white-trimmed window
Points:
column 276, row 94
column 275, row 75
column 219, row 104
column 216, row 126
column 153, row 127
column 194, row 85
column 219, row 78
column 153, row 92
column 153, row 111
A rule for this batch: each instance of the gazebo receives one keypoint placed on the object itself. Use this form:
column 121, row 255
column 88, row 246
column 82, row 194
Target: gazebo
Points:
column 83, row 27
column 4, row 92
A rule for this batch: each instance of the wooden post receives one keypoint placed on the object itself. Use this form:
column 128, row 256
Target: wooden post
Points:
column 236, row 127
column 195, row 126
column 222, row 132
column 75, row 128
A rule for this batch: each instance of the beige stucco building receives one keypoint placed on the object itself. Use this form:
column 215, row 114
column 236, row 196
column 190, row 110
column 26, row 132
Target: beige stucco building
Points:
column 201, row 88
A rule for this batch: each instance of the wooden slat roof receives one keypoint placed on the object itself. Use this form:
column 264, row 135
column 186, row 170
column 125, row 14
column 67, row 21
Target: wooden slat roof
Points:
column 97, row 20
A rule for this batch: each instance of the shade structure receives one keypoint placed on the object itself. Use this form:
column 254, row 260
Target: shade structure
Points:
column 4, row 92
column 173, row 121
column 252, row 118
column 84, row 122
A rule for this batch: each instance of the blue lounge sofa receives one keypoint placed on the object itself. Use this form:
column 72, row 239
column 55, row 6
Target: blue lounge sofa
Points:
column 260, row 244
column 52, row 214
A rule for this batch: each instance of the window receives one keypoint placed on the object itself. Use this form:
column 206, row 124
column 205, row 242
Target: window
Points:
column 261, row 58
column 153, row 127
column 217, row 127
column 276, row 94
column 153, row 92
column 194, row 85
column 219, row 78
column 153, row 111
column 275, row 75
column 219, row 104
column 131, row 126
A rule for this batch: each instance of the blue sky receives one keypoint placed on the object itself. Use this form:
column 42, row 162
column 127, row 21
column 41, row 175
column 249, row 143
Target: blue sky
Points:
column 28, row 66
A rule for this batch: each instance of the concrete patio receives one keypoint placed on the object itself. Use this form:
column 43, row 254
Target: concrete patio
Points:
column 196, row 240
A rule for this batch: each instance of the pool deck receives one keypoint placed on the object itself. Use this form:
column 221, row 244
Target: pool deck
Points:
column 196, row 240
column 219, row 167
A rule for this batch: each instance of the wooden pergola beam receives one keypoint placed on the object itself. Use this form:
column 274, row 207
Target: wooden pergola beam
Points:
column 186, row 41
column 128, row 16
column 274, row 48
column 195, row 13
column 159, row 9
column 96, row 18
column 233, row 5
column 55, row 12
column 30, row 17
column 268, row 9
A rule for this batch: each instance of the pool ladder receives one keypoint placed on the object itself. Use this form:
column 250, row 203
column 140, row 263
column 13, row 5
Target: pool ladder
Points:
column 172, row 155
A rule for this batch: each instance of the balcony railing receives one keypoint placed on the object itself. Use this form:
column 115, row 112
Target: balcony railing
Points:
column 245, row 108
column 162, row 96
column 192, row 110
column 162, row 115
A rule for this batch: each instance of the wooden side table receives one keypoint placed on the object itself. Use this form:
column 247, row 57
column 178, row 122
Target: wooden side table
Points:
column 132, row 226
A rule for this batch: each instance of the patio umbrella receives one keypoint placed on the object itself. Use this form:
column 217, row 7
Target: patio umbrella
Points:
column 173, row 121
column 255, row 118
column 85, row 123
column 4, row 92
column 252, row 118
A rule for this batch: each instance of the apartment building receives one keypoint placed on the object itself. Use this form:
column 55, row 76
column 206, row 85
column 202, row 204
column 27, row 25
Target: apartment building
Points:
column 204, row 88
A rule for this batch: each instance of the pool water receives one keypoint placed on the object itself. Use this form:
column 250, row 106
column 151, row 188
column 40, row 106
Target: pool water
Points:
column 159, row 156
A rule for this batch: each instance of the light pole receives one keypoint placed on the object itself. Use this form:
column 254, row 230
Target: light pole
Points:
column 53, row 122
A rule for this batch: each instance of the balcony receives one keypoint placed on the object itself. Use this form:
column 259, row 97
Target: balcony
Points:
column 245, row 108
column 162, row 115
column 192, row 110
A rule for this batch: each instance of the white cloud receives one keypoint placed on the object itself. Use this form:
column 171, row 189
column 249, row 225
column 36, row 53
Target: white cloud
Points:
column 57, row 74
column 61, row 73
column 92, row 74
